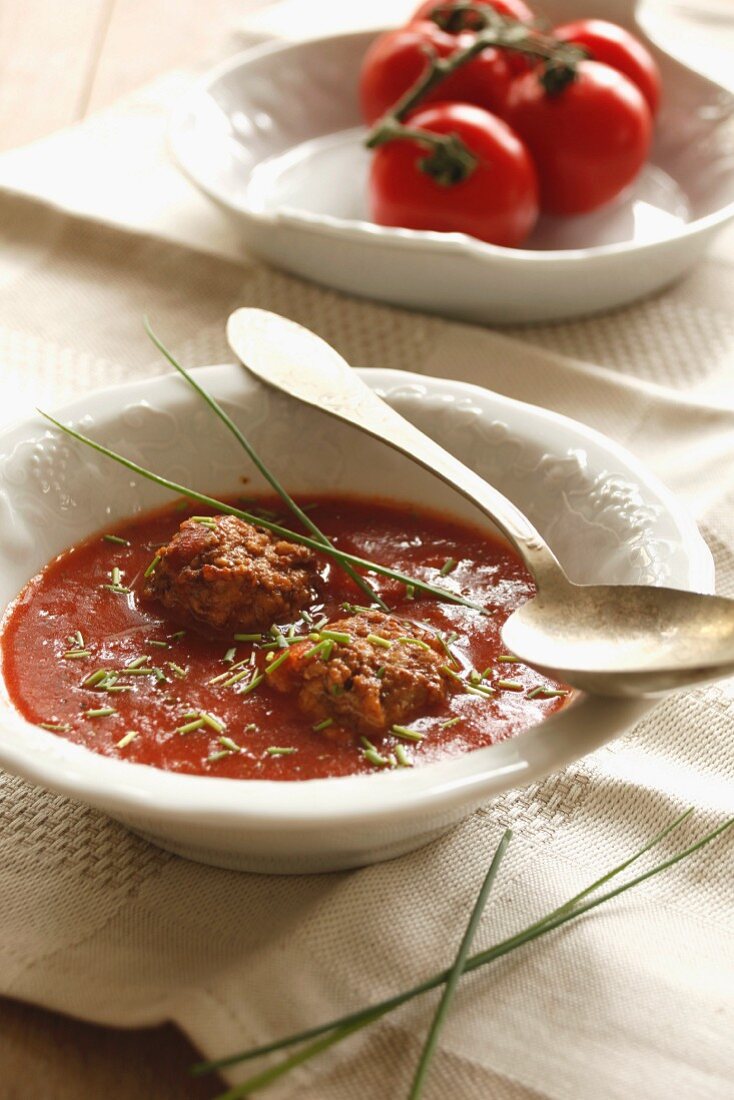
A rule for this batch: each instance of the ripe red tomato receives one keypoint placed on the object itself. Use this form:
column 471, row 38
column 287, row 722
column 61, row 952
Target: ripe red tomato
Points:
column 498, row 202
column 616, row 47
column 588, row 141
column 512, row 9
column 396, row 60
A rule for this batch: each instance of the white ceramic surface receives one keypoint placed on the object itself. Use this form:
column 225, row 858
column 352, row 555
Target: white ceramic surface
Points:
column 606, row 518
column 273, row 137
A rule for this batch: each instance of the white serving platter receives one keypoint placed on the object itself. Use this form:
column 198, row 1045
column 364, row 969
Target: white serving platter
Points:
column 274, row 138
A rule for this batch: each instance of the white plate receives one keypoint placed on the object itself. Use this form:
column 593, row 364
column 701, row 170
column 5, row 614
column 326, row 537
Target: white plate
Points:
column 274, row 138
column 606, row 518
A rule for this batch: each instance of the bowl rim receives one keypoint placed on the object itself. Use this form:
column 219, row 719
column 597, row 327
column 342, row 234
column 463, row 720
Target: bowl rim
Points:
column 423, row 241
column 123, row 787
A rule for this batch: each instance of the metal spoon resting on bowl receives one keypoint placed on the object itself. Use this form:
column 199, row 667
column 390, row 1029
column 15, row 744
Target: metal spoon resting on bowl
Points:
column 623, row 640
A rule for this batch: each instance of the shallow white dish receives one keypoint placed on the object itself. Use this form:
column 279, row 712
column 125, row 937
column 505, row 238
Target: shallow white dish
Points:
column 274, row 138
column 603, row 514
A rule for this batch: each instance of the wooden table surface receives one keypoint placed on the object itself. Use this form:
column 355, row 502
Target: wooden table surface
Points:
column 58, row 63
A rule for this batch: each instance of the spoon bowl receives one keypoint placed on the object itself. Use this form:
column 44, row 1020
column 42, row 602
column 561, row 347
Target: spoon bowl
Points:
column 615, row 640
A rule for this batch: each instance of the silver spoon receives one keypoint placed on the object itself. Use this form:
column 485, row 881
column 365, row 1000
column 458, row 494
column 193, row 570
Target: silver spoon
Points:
column 624, row 640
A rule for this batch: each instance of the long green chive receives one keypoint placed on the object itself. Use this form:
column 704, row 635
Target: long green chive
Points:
column 100, row 712
column 269, row 476
column 294, row 536
column 407, row 734
column 247, row 637
column 125, row 741
column 402, row 757
column 377, row 640
column 323, row 725
column 116, row 539
column 275, row 750
column 191, row 727
column 448, row 566
column 152, row 567
column 509, row 685
column 457, row 970
column 326, row 1035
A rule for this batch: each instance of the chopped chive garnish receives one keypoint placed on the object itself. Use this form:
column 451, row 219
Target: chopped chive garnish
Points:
column 116, row 576
column 475, row 677
column 277, row 662
column 508, row 659
column 546, row 693
column 407, row 734
column 205, row 521
column 354, row 608
column 321, row 649
column 410, row 591
column 137, row 663
column 153, row 565
column 235, row 678
column 323, row 725
column 191, row 727
column 408, row 640
column 139, row 670
column 446, row 644
column 376, row 758
column 158, row 645
column 509, row 685
column 100, row 712
column 212, row 722
column 254, row 683
column 230, row 655
column 176, row 669
column 76, row 654
column 220, row 755
column 247, row 637
column 380, row 672
column 116, row 539
column 336, row 636
column 450, row 722
column 275, row 750
column 77, row 639
column 116, row 688
column 402, row 757
column 55, row 727
column 125, row 741
column 118, row 589
column 448, row 566
column 375, row 639
column 477, row 689
column 228, row 743
column 179, row 634
column 367, row 744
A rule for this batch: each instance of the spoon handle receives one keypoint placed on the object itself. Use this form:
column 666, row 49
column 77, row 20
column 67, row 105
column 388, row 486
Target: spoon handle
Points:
column 290, row 358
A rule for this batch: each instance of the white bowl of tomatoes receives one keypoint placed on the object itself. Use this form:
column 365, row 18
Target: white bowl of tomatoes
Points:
column 553, row 173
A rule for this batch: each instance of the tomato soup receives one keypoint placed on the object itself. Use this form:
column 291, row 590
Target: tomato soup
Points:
column 88, row 657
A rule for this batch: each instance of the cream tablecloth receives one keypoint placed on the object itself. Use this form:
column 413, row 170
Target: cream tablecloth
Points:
column 636, row 1000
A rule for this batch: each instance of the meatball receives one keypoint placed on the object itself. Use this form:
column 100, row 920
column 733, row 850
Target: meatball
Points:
column 388, row 672
column 226, row 574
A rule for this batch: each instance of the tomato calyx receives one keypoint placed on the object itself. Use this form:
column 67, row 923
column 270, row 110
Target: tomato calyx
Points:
column 449, row 161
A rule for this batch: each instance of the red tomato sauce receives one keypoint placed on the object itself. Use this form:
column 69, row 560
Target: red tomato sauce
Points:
column 80, row 620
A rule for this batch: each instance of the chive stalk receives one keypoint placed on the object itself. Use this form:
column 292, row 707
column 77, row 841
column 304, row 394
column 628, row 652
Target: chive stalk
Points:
column 294, row 536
